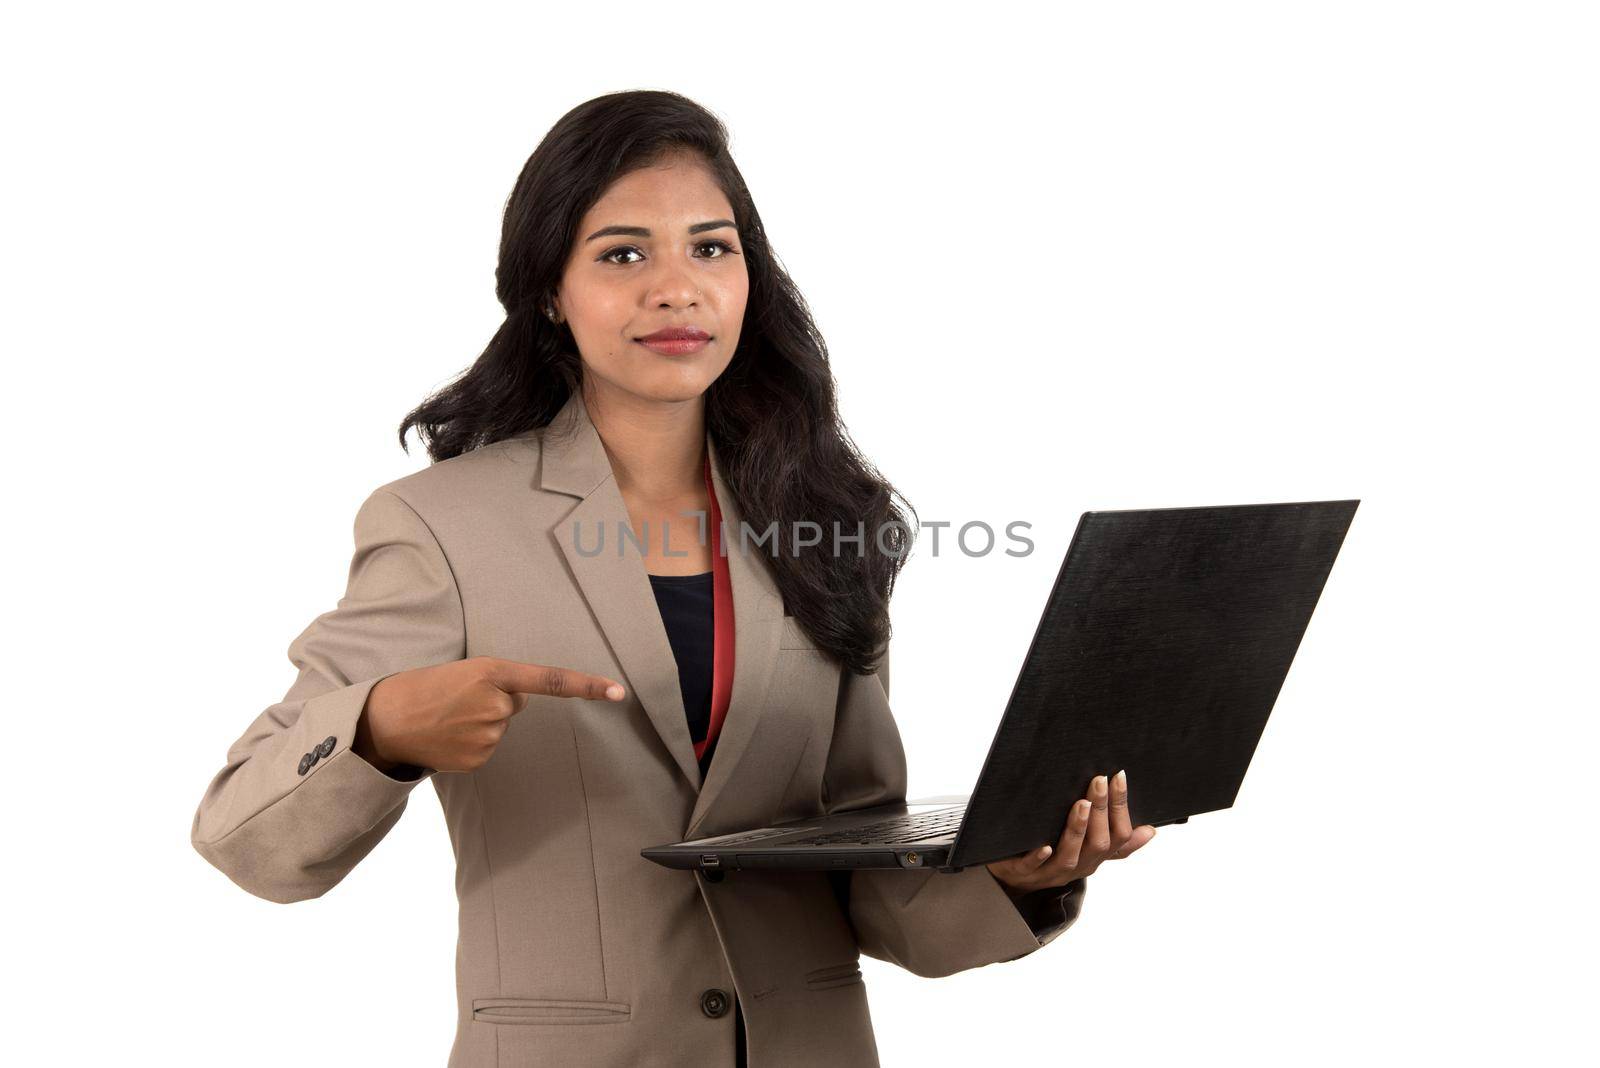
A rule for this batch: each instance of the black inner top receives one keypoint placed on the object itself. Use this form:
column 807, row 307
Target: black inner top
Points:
column 686, row 603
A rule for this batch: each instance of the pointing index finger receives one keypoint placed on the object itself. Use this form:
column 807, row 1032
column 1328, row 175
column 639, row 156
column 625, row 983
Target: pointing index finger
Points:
column 514, row 677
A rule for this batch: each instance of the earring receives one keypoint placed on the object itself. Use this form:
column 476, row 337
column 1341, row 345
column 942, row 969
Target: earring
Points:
column 550, row 313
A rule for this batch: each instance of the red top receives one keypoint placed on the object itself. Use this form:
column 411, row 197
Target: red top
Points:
column 722, row 624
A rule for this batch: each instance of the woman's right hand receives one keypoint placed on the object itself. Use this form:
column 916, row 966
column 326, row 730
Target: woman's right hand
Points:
column 451, row 717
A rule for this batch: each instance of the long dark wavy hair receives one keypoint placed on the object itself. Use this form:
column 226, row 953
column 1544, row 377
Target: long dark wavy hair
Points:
column 772, row 414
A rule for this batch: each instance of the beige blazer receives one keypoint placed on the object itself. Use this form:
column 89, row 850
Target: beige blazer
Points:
column 573, row 949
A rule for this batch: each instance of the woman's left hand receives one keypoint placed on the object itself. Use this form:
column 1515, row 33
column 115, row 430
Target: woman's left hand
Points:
column 1098, row 829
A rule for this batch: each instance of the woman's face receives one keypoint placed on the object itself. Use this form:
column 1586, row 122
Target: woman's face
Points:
column 657, row 251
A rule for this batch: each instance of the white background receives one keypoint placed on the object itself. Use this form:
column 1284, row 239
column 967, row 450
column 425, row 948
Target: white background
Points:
column 1105, row 256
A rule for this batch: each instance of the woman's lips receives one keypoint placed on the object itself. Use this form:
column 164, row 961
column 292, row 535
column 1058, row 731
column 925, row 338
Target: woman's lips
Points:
column 675, row 346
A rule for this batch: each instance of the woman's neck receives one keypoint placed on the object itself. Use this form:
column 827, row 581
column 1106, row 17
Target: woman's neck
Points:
column 656, row 448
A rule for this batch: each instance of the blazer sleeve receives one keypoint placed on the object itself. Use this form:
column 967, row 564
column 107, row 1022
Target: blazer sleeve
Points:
column 929, row 922
column 294, row 808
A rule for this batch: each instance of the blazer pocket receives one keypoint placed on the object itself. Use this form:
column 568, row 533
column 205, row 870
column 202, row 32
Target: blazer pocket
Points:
column 834, row 975
column 548, row 1011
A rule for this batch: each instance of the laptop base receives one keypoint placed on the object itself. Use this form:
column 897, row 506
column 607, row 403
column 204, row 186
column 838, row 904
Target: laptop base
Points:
column 913, row 835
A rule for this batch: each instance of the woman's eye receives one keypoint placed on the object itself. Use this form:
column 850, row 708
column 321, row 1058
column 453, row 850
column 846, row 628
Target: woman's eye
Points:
column 619, row 250
column 727, row 249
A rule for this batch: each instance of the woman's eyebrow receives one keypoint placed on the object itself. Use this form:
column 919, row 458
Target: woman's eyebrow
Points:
column 643, row 231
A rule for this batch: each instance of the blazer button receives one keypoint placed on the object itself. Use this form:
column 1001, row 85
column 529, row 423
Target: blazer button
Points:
column 326, row 746
column 714, row 1003
column 306, row 762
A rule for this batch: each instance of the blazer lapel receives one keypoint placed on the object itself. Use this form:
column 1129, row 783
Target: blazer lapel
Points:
column 758, row 619
column 618, row 591
column 615, row 584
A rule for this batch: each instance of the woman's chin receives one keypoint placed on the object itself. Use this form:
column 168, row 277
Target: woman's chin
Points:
column 678, row 384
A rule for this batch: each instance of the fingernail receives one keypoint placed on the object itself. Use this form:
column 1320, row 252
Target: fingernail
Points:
column 1083, row 808
column 1044, row 852
column 614, row 692
column 1122, row 779
column 1099, row 784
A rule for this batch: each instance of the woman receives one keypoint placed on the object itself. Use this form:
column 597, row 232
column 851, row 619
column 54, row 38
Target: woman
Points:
column 655, row 365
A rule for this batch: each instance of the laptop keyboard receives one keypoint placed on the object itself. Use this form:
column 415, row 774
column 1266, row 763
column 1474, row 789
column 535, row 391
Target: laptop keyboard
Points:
column 897, row 830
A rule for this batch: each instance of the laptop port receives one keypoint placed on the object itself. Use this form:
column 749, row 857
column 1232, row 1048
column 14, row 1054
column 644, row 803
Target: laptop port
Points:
column 710, row 860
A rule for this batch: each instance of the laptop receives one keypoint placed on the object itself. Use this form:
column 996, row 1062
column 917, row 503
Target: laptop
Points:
column 1162, row 648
